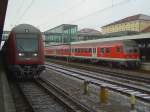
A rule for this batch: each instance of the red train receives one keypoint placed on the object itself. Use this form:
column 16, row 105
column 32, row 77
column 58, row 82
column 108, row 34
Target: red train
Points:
column 118, row 52
column 24, row 52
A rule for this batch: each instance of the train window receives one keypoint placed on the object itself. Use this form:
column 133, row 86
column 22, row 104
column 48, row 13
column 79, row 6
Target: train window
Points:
column 135, row 50
column 102, row 50
column 130, row 50
column 78, row 50
column 72, row 49
column 86, row 50
column 82, row 50
column 107, row 50
column 90, row 50
column 118, row 49
column 75, row 49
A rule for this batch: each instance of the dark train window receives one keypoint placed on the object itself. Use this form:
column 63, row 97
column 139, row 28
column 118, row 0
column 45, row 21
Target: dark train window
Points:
column 107, row 50
column 129, row 50
column 86, row 50
column 82, row 50
column 78, row 50
column 135, row 50
column 118, row 49
column 90, row 50
column 75, row 49
column 102, row 50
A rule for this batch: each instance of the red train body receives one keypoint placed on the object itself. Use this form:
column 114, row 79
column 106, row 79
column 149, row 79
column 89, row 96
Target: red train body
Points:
column 24, row 52
column 121, row 53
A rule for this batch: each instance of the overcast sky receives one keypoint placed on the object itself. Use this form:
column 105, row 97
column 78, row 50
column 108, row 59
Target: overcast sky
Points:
column 46, row 14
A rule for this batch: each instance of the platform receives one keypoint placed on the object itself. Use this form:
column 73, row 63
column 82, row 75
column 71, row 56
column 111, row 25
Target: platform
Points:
column 6, row 100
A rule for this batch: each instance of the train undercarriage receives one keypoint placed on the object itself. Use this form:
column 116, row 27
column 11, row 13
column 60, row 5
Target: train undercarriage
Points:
column 25, row 71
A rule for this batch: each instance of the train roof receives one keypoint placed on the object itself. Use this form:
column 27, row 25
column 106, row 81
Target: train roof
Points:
column 122, row 38
column 25, row 28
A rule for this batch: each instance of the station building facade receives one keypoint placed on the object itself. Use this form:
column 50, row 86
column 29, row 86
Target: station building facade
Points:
column 136, row 23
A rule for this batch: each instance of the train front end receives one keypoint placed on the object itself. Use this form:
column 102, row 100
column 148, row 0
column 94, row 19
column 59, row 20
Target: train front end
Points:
column 29, row 52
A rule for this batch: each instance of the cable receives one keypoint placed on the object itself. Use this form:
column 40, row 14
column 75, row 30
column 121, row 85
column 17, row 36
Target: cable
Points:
column 99, row 11
column 62, row 12
column 18, row 10
column 25, row 11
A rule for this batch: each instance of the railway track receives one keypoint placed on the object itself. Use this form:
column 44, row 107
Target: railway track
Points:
column 21, row 104
column 141, row 82
column 118, row 84
column 129, row 75
column 44, row 96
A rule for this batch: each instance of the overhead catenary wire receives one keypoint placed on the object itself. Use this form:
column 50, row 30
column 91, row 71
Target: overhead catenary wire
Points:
column 97, row 12
column 18, row 10
column 65, row 11
column 100, row 11
column 62, row 12
column 25, row 11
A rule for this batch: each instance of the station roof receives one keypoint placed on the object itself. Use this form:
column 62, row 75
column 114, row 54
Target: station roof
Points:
column 3, row 8
column 131, row 18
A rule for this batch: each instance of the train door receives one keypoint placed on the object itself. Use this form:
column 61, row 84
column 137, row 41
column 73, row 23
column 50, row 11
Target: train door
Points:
column 94, row 53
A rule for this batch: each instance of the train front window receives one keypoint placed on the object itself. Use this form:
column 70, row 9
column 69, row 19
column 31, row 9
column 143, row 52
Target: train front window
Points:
column 25, row 44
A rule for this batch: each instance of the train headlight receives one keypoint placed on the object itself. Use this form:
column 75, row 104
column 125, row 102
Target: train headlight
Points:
column 35, row 54
column 21, row 54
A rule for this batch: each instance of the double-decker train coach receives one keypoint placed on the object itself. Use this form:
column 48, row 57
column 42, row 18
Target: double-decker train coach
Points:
column 24, row 52
column 122, row 53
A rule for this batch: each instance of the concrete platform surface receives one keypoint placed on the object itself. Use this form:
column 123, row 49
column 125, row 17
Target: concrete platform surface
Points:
column 6, row 100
